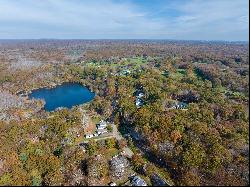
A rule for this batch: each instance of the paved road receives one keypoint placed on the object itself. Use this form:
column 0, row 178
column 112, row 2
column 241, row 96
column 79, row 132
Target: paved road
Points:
column 118, row 136
column 116, row 133
column 128, row 152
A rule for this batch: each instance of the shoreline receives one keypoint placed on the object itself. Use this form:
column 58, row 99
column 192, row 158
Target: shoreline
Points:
column 24, row 93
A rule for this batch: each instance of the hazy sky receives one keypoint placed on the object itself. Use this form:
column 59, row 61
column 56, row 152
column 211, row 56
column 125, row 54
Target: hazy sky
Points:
column 125, row 19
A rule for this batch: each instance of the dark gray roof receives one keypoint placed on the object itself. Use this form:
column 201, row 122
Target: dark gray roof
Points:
column 138, row 181
column 157, row 180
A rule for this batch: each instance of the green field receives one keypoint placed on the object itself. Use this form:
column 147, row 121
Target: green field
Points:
column 180, row 73
column 135, row 62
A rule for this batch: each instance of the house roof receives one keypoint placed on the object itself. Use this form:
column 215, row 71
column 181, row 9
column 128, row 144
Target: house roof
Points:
column 112, row 184
column 101, row 130
column 102, row 123
column 157, row 180
column 138, row 181
column 101, row 127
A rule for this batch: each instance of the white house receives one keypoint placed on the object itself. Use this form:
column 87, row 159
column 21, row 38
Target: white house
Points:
column 102, row 125
column 101, row 131
column 89, row 136
column 112, row 184
column 140, row 95
column 138, row 102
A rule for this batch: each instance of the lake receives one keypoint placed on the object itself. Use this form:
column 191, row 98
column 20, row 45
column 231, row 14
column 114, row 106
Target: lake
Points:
column 65, row 95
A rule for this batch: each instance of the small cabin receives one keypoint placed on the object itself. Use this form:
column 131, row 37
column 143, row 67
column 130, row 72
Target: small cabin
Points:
column 89, row 136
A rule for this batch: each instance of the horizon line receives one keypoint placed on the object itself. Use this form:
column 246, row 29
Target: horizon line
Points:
column 200, row 40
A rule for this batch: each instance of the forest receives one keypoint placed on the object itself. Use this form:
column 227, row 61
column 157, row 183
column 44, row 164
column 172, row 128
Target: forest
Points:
column 181, row 108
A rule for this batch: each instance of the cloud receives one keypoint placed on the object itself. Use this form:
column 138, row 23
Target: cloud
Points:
column 214, row 19
column 196, row 19
column 79, row 18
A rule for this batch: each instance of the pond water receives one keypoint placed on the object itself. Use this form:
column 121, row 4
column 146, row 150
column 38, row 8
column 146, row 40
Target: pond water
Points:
column 65, row 95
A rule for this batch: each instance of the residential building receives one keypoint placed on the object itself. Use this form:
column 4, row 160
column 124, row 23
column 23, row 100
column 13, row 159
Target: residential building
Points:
column 138, row 102
column 140, row 95
column 101, row 131
column 89, row 136
column 157, row 180
column 138, row 181
column 102, row 125
column 112, row 184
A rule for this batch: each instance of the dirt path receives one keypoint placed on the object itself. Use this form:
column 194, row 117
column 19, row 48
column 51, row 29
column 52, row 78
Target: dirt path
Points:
column 87, row 124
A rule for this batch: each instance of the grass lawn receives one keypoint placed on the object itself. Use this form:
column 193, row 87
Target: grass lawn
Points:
column 134, row 61
column 164, row 174
column 229, row 92
column 95, row 119
column 220, row 89
column 179, row 74
column 181, row 71
column 109, row 153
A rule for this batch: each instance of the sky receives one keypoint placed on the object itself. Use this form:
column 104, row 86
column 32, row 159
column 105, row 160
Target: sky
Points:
column 125, row 19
